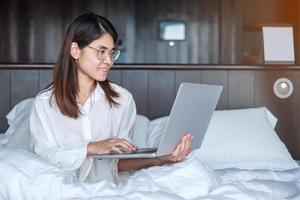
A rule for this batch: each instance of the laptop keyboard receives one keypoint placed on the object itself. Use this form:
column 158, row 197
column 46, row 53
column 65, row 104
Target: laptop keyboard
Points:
column 140, row 151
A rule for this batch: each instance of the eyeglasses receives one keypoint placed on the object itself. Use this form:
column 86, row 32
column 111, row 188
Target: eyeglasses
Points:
column 102, row 53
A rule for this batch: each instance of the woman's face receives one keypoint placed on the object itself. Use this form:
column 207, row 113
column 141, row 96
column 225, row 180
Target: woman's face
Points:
column 94, row 65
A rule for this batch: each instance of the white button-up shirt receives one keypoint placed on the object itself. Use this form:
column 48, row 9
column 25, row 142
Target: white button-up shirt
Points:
column 63, row 141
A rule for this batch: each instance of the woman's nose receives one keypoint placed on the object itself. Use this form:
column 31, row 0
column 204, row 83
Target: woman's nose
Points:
column 108, row 60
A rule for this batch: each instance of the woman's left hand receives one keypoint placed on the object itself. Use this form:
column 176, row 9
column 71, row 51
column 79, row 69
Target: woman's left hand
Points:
column 182, row 150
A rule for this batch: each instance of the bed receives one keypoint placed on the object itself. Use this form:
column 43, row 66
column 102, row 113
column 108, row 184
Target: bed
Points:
column 241, row 157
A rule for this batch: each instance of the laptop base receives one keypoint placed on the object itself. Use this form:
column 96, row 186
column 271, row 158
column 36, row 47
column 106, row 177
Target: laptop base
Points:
column 139, row 153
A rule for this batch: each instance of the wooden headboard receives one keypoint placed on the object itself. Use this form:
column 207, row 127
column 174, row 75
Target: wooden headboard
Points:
column 154, row 88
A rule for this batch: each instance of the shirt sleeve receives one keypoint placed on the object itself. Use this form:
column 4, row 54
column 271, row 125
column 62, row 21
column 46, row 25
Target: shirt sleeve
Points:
column 68, row 157
column 125, row 130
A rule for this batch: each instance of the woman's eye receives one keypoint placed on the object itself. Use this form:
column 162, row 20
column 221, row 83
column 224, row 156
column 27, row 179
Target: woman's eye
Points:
column 102, row 51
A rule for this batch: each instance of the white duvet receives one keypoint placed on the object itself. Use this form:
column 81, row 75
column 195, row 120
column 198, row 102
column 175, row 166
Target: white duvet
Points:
column 24, row 175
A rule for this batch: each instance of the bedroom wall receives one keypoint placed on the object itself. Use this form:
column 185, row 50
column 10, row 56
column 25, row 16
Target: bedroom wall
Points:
column 154, row 88
column 218, row 31
column 32, row 34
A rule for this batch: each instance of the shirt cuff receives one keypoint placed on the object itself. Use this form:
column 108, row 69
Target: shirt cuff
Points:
column 71, row 157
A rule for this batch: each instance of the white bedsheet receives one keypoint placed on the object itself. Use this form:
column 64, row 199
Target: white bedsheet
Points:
column 24, row 175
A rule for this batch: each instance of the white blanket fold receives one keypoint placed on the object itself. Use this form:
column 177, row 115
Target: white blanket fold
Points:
column 24, row 176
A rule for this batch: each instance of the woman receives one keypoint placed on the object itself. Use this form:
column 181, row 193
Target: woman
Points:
column 83, row 114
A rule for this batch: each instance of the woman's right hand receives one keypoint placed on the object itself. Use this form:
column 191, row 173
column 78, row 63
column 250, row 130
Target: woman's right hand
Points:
column 108, row 146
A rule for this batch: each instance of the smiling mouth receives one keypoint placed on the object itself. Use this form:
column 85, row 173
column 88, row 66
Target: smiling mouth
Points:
column 104, row 69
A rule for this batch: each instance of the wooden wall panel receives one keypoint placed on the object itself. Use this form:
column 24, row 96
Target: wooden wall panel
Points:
column 231, row 32
column 293, row 116
column 154, row 92
column 190, row 76
column 136, row 81
column 218, row 31
column 218, row 78
column 97, row 6
column 141, row 43
column 10, row 41
column 5, row 98
column 115, row 76
column 202, row 43
column 287, row 110
column 2, row 33
column 24, row 84
column 208, row 31
column 45, row 78
column 161, row 93
column 56, row 23
column 240, row 89
column 125, row 26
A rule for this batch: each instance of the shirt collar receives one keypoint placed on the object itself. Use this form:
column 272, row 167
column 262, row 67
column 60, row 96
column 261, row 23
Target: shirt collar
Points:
column 96, row 94
column 98, row 91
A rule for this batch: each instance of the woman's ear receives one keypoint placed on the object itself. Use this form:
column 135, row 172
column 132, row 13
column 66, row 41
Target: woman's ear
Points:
column 75, row 51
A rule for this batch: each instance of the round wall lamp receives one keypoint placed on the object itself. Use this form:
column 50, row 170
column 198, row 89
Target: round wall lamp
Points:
column 283, row 88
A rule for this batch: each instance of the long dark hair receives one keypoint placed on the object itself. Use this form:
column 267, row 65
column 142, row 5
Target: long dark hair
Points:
column 83, row 30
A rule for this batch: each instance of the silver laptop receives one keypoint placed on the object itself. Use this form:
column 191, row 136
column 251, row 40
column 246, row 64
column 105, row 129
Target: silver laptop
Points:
column 191, row 113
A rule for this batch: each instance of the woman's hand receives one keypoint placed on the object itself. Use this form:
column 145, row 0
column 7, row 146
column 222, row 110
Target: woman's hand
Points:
column 109, row 145
column 182, row 150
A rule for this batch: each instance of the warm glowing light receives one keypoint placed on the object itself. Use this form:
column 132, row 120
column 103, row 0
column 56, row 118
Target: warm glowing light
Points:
column 283, row 88
column 283, row 85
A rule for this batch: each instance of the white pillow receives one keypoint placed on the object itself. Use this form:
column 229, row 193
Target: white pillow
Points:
column 155, row 130
column 147, row 133
column 139, row 137
column 19, row 109
column 151, row 131
column 17, row 135
column 244, row 139
column 272, row 119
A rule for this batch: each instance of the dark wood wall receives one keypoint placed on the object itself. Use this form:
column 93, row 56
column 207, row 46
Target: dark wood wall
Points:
column 218, row 31
column 34, row 29
column 154, row 88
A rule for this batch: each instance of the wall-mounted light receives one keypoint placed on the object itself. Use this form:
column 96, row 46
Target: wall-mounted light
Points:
column 171, row 31
column 283, row 88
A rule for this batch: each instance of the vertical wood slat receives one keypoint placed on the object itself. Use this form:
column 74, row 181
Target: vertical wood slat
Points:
column 56, row 28
column 45, row 78
column 240, row 89
column 293, row 116
column 3, row 13
column 142, row 22
column 181, row 76
column 218, row 78
column 5, row 98
column 97, row 6
column 11, row 36
column 115, row 76
column 38, row 37
column 23, row 19
column 24, row 84
column 124, row 25
column 161, row 93
column 136, row 81
column 228, row 32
